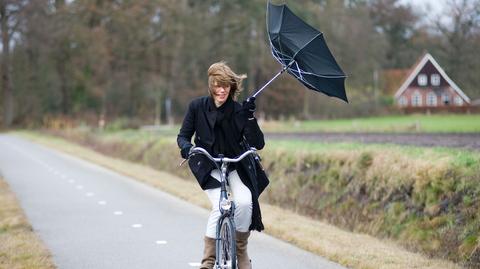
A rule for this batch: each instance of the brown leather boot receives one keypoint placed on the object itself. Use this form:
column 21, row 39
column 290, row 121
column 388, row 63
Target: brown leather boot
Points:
column 208, row 260
column 243, row 261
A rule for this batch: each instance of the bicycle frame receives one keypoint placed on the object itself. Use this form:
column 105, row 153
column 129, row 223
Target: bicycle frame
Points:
column 227, row 210
column 225, row 207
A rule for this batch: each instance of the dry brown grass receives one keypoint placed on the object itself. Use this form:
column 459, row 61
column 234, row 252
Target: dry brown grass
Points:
column 19, row 246
column 350, row 249
column 347, row 248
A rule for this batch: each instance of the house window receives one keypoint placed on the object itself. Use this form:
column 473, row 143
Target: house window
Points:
column 445, row 99
column 422, row 80
column 403, row 101
column 458, row 100
column 435, row 80
column 431, row 99
column 416, row 99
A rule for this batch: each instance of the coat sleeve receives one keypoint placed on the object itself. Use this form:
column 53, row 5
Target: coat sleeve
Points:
column 253, row 134
column 187, row 130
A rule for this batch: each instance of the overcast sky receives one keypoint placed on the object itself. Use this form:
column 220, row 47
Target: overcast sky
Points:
column 435, row 7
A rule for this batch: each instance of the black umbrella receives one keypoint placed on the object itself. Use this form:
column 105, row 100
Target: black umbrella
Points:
column 303, row 52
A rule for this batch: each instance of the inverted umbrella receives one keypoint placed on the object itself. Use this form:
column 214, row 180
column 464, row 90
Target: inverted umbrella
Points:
column 303, row 53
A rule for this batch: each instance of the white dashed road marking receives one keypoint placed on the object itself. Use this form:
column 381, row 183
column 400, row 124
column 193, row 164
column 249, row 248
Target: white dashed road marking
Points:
column 89, row 194
column 161, row 242
column 79, row 187
column 102, row 202
column 194, row 264
column 138, row 225
column 71, row 181
column 118, row 213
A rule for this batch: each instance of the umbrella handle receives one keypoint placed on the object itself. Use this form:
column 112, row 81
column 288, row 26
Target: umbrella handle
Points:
column 268, row 83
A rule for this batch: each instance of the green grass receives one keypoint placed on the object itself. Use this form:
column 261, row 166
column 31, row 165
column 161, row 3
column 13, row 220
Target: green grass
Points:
column 417, row 123
column 458, row 156
column 390, row 124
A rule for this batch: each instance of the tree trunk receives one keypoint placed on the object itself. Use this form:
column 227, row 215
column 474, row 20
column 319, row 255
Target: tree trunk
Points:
column 6, row 77
column 61, row 70
column 59, row 4
column 306, row 105
column 175, row 65
column 61, row 56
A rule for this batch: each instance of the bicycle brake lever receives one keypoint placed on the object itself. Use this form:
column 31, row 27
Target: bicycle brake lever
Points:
column 184, row 160
column 189, row 155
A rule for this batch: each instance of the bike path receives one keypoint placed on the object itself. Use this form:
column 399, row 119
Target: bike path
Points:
column 91, row 217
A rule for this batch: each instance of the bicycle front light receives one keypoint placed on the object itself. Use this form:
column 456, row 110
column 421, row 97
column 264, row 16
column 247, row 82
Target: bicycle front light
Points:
column 226, row 204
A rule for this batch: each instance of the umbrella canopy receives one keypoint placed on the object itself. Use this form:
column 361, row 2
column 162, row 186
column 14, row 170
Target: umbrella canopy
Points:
column 303, row 52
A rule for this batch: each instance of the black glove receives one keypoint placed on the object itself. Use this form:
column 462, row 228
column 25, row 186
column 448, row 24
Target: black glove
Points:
column 185, row 151
column 249, row 107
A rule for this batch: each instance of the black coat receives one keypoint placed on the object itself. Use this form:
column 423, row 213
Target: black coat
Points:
column 200, row 120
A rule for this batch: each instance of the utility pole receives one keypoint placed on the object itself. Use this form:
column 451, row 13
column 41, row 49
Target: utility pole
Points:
column 375, row 88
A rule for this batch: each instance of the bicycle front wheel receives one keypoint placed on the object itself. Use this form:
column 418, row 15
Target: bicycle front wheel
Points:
column 227, row 251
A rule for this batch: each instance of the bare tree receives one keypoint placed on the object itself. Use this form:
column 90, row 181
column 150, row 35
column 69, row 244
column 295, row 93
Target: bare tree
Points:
column 9, row 23
column 461, row 32
column 397, row 22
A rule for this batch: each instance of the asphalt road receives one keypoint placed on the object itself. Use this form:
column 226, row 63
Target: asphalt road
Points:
column 90, row 217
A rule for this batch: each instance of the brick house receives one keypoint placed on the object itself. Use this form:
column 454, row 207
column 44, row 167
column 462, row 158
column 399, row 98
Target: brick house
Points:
column 428, row 88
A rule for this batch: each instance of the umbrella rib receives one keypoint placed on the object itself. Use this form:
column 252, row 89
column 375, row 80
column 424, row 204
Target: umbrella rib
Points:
column 275, row 52
column 311, row 86
column 319, row 34
column 323, row 76
column 304, row 81
column 308, row 73
column 299, row 70
column 281, row 25
column 283, row 58
column 279, row 56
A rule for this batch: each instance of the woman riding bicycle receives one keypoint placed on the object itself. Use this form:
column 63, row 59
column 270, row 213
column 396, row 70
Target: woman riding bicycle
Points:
column 223, row 126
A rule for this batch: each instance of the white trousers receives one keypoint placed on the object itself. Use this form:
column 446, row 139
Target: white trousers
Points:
column 243, row 203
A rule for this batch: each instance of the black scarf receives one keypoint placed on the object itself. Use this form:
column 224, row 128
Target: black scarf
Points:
column 226, row 134
column 227, row 140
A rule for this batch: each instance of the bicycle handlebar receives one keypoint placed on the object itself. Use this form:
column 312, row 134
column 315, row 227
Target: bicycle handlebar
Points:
column 223, row 159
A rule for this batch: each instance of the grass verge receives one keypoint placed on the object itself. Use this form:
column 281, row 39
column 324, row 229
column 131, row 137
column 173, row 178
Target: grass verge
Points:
column 448, row 123
column 20, row 248
column 415, row 123
column 354, row 250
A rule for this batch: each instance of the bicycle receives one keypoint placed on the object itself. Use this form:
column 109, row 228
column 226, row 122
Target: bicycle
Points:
column 226, row 251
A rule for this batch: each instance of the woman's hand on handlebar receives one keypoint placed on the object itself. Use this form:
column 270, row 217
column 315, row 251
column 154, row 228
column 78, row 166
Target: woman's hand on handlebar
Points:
column 185, row 151
column 195, row 150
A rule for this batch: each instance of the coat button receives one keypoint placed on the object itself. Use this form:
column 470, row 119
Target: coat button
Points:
column 250, row 167
column 198, row 164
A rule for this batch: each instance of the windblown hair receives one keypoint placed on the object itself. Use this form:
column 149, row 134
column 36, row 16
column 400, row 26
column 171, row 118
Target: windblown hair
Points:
column 221, row 74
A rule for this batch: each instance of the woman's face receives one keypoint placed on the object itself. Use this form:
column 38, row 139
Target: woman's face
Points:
column 220, row 93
